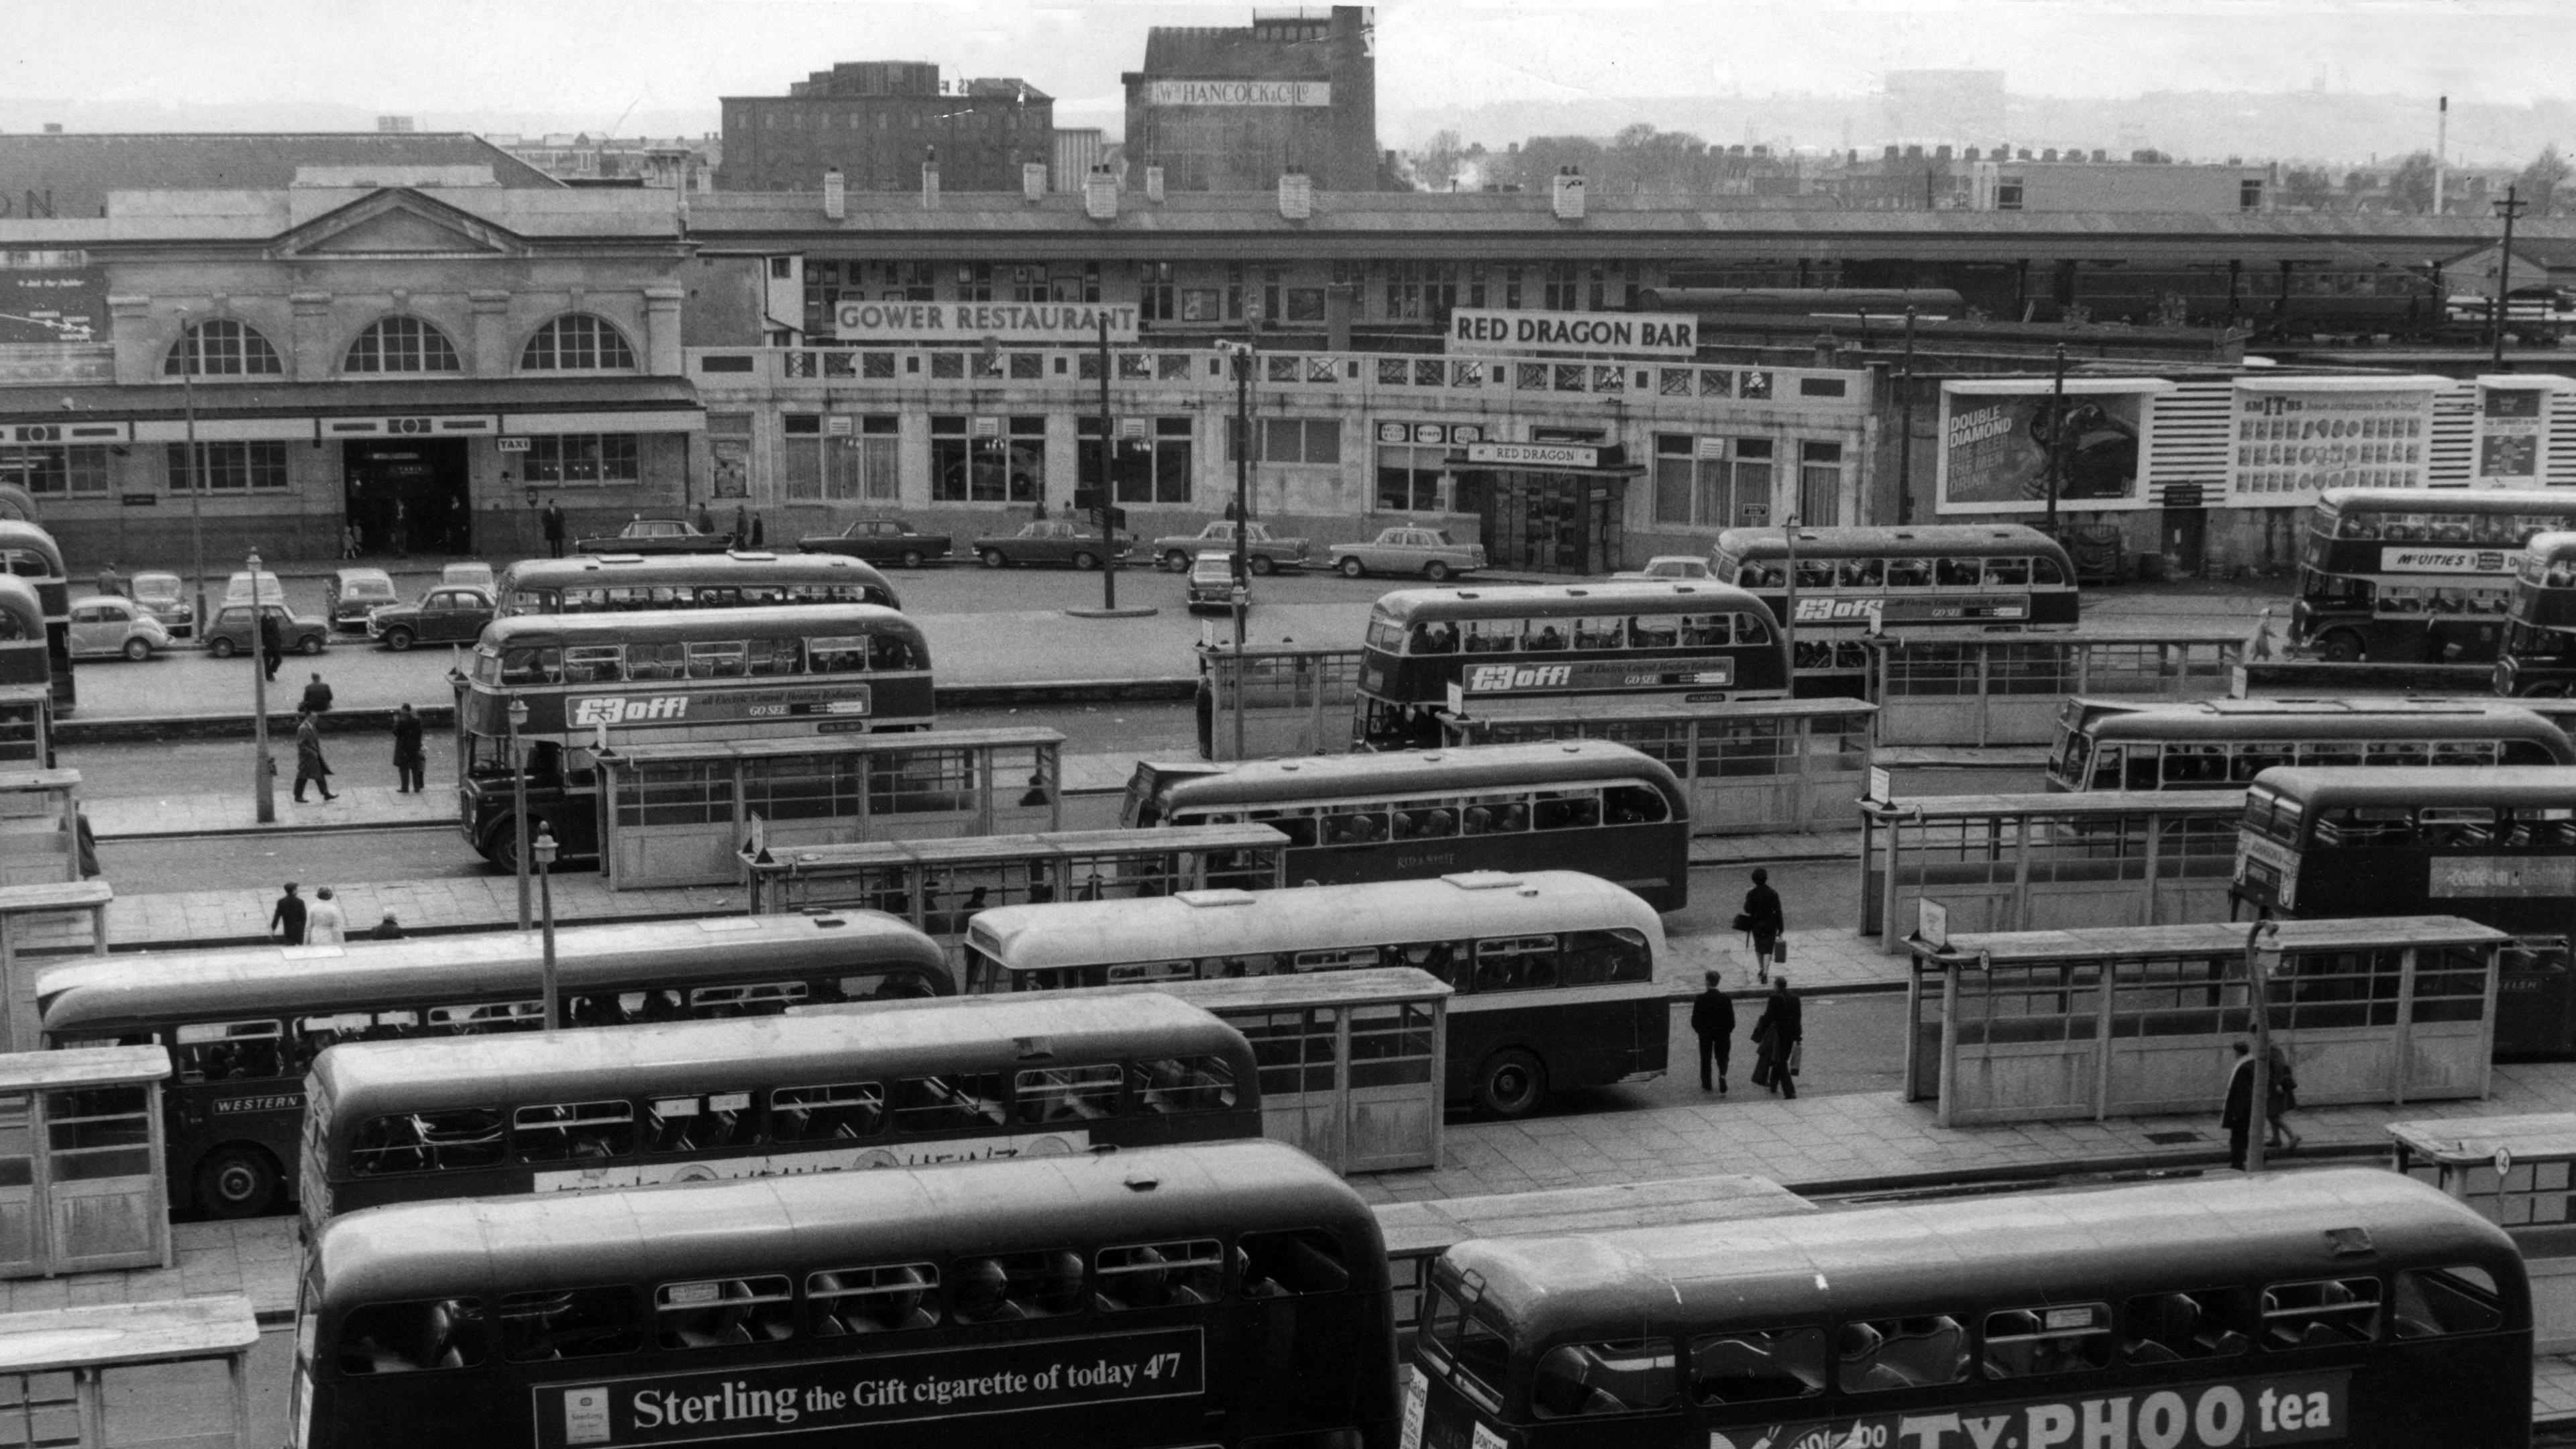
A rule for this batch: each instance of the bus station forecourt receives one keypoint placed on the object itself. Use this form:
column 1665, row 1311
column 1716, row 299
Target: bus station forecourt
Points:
column 1821, row 1144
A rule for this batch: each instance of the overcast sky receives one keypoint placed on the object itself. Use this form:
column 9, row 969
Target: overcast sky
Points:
column 481, row 62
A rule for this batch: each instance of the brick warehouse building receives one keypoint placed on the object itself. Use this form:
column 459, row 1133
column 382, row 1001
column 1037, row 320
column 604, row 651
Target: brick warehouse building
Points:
column 1228, row 108
column 876, row 121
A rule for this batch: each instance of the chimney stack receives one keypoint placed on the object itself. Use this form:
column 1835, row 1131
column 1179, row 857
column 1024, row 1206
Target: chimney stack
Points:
column 1033, row 180
column 1566, row 194
column 1296, row 195
column 836, row 204
column 1100, row 195
column 929, row 177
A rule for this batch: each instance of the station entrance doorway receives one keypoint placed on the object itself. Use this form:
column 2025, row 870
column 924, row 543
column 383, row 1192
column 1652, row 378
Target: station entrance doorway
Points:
column 1547, row 522
column 408, row 496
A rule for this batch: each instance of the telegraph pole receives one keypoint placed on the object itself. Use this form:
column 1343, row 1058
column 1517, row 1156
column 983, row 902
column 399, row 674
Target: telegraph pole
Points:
column 1905, row 437
column 1108, row 450
column 2509, row 208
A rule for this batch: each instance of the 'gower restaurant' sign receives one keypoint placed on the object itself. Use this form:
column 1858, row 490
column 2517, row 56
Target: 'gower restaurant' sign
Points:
column 1238, row 93
column 1063, row 324
column 1645, row 334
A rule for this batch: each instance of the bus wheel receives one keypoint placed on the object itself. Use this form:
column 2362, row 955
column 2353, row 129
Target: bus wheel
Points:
column 1510, row 1084
column 2546, row 691
column 501, row 844
column 2341, row 648
column 237, row 1182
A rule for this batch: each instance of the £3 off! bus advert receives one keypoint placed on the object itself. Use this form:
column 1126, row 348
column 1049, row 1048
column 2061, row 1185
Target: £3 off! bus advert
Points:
column 2289, row 1409
column 1066, row 1373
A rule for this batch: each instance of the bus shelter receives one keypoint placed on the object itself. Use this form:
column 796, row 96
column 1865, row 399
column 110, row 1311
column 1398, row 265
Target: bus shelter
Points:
column 81, row 1155
column 39, row 827
column 27, row 726
column 2030, row 1026
column 1277, row 699
column 2519, row 1173
column 680, row 814
column 2043, row 862
column 129, row 1375
column 1751, row 767
column 1955, row 686
column 32, row 915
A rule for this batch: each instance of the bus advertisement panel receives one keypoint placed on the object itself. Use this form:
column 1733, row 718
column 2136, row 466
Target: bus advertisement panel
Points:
column 1999, row 438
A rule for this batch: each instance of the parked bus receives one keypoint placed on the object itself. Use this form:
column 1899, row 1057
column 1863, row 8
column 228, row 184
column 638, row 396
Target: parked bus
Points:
column 1230, row 1294
column 29, row 554
column 619, row 583
column 1851, row 580
column 1562, row 979
column 1426, row 648
column 913, row 1084
column 2348, row 1305
column 2539, row 654
column 662, row 677
column 25, row 655
column 1587, row 805
column 243, row 1025
column 2211, row 744
column 2382, row 573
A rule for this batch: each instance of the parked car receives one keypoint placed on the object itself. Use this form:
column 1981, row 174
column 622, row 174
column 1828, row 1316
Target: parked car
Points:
column 1264, row 553
column 233, row 633
column 471, row 575
column 880, row 541
column 1050, row 541
column 656, row 535
column 446, row 614
column 1211, row 586
column 1670, row 566
column 237, row 588
column 1424, row 551
column 106, row 626
column 166, row 595
column 349, row 595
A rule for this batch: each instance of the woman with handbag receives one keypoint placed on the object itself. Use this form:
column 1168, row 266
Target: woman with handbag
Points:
column 1779, row 1033
column 1762, row 919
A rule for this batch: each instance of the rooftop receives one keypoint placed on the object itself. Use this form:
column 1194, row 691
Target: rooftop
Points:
column 77, row 170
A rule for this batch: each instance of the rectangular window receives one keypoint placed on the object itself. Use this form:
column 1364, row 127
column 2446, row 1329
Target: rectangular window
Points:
column 721, row 1312
column 1902, row 1353
column 957, row 1102
column 1409, row 478
column 573, row 1132
column 1622, row 1377
column 886, row 1299
column 1001, row 460
column 230, row 467
column 1160, row 1275
column 2024, row 1343
column 822, row 1114
column 2328, row 1313
column 56, row 472
column 577, row 458
column 1184, row 1084
column 1153, row 466
column 2168, row 1327
column 1050, row 1095
column 570, row 1323
column 1820, row 484
column 1753, row 1367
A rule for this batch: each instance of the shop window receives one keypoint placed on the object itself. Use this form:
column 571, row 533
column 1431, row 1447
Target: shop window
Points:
column 230, row 467
column 1820, row 484
column 1004, row 463
column 1154, row 467
column 56, row 472
column 577, row 341
column 402, row 344
column 225, row 348
column 579, row 458
column 857, row 461
column 1409, row 478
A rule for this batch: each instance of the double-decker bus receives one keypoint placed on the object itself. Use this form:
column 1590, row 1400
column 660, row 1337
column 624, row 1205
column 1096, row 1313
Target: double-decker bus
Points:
column 1850, row 581
column 2407, row 576
column 1588, row 805
column 243, row 1025
column 28, row 553
column 913, row 1084
column 661, row 677
column 2211, row 744
column 1231, row 1295
column 1427, row 649
column 626, row 583
column 2539, row 654
column 2350, row 1306
column 1562, row 979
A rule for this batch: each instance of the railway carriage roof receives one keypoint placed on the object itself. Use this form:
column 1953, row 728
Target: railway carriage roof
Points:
column 1514, row 601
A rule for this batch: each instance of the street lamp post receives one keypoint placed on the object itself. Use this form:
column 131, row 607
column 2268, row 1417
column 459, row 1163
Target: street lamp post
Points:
column 544, row 850
column 2262, row 953
column 263, row 770
column 1905, row 434
column 1108, row 453
column 197, row 477
column 519, row 800
column 1241, row 594
column 1789, row 604
column 2056, row 435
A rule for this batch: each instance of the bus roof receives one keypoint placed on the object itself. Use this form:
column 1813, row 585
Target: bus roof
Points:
column 664, row 625
column 2299, row 719
column 1428, row 1226
column 1193, row 924
column 980, row 1033
column 1911, row 541
column 1513, row 601
column 19, row 600
column 1192, row 786
column 2446, row 500
column 888, row 742
column 2318, row 785
column 2103, row 943
column 1933, row 1256
column 491, row 1246
column 630, row 570
column 105, row 994
column 2550, row 546
column 19, row 533
column 2472, row 1141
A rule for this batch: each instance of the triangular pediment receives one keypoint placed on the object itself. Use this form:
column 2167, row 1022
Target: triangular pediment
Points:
column 399, row 223
column 401, row 231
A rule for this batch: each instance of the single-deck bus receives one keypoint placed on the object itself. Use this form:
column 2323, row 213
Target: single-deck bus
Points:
column 2403, row 576
column 243, row 1025
column 2211, row 744
column 1702, row 639
column 1231, row 1295
column 1562, row 979
column 1588, row 805
column 29, row 554
column 2349, row 1306
column 625, row 582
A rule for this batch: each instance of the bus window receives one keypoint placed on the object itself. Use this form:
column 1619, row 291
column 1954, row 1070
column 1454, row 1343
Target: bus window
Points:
column 2109, row 771
column 593, row 663
column 1601, row 958
column 723, row 1311
column 2327, row 1313
column 889, row 1299
column 1541, row 635
column 316, row 1034
column 1598, row 633
column 406, row 1338
column 1752, row 629
column 1438, row 959
column 1357, row 825
column 2481, row 752
column 1762, row 576
column 1753, row 1367
column 1439, row 638
column 2358, row 524
column 1909, row 573
column 427, row 1141
column 573, row 1132
column 2362, row 826
column 1707, row 631
column 2169, row 1327
column 701, row 1124
column 896, row 985
column 845, row 654
column 1902, row 1353
column 1860, row 573
column 1299, row 827
column 491, row 1016
column 231, row 1051
column 1567, row 810
column 1495, row 815
column 957, row 1102
column 1043, row 1284
column 2323, row 753
column 1301, row 1261
column 2046, row 573
column 814, row 1114
column 725, row 660
column 2431, row 1302
column 570, row 1323
column 2194, row 766
column 1424, row 820
column 1069, row 1094
column 2248, row 761
column 768, row 998
column 656, row 661
column 1620, row 1377
column 893, row 651
column 1815, row 573
column 2007, row 573
column 533, row 666
column 1491, row 636
column 767, row 658
column 1159, row 1275
column 1184, row 1084
column 2023, row 1343
column 1653, row 631
column 2396, row 752
column 1634, row 805
column 1516, row 963
column 1478, row 1351
column 1386, row 634
column 1957, row 573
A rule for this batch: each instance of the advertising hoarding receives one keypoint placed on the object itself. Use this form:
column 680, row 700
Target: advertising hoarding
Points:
column 1996, row 440
column 2292, row 440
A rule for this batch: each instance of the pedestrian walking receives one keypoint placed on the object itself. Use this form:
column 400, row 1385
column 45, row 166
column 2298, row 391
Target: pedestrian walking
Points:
column 742, row 525
column 85, row 841
column 409, row 760
column 759, row 533
column 110, row 582
column 553, row 520
column 402, row 530
column 272, row 644
column 1762, row 920
column 1713, row 1022
column 1778, row 1034
column 317, row 697
column 2237, row 1115
column 353, row 541
column 2282, row 1094
column 286, row 919
column 387, row 929
column 704, row 521
column 324, row 925
column 309, row 764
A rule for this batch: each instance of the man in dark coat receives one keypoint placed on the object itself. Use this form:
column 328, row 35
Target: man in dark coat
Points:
column 1764, row 919
column 272, row 643
column 287, row 919
column 409, row 760
column 554, row 524
column 2237, row 1116
column 309, row 764
column 317, row 697
column 1782, row 1027
column 1713, row 1022
column 387, row 929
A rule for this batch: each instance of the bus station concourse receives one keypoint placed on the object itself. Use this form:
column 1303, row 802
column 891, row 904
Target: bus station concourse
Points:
column 1750, row 767
column 680, row 814
column 2094, row 1023
column 1270, row 700
column 2519, row 1172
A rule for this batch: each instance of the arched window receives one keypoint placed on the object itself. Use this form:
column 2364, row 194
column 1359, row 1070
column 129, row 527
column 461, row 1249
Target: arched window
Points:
column 225, row 348
column 577, row 340
column 402, row 344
